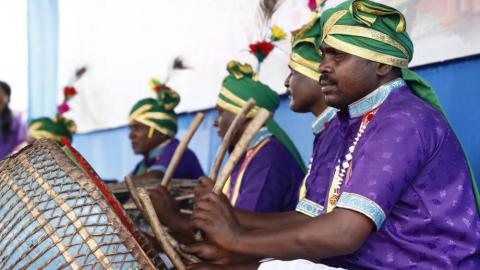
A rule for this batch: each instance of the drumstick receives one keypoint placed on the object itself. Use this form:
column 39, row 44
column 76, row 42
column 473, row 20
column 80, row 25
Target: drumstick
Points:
column 133, row 192
column 227, row 139
column 158, row 230
column 184, row 197
column 240, row 148
column 186, row 256
column 182, row 146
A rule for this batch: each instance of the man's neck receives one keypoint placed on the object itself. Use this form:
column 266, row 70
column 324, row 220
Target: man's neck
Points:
column 318, row 110
column 374, row 99
column 157, row 149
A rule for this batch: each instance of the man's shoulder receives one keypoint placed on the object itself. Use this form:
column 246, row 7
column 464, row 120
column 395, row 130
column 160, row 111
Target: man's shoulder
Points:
column 404, row 108
column 275, row 153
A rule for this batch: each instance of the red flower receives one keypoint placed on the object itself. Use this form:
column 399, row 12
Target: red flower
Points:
column 261, row 49
column 69, row 91
column 63, row 108
column 161, row 87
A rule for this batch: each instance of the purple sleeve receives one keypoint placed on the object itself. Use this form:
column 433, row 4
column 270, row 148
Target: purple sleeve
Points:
column 21, row 130
column 271, row 182
column 160, row 164
column 188, row 168
column 384, row 163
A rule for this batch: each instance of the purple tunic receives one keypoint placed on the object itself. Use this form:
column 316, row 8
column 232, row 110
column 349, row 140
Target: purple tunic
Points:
column 325, row 145
column 269, row 181
column 17, row 136
column 409, row 176
column 159, row 158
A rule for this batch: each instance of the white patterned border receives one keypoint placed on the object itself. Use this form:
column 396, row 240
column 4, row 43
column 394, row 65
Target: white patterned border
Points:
column 363, row 205
column 374, row 99
column 318, row 124
column 309, row 208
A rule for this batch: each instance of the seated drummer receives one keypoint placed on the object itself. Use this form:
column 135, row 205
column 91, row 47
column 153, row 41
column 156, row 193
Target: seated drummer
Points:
column 153, row 125
column 268, row 177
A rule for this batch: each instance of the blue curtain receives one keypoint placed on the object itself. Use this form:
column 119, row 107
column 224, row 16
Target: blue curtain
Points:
column 42, row 57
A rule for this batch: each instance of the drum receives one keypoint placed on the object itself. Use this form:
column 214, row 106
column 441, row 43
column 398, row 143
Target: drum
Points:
column 56, row 214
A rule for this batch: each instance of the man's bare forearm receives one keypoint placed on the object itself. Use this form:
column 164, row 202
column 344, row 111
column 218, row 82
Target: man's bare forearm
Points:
column 251, row 220
column 313, row 239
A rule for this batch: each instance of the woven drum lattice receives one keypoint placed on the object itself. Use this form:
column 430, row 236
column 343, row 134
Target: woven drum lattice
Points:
column 52, row 216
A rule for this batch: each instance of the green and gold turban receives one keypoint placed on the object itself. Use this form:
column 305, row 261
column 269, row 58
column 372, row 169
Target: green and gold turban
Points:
column 375, row 32
column 239, row 86
column 304, row 57
column 158, row 114
column 54, row 129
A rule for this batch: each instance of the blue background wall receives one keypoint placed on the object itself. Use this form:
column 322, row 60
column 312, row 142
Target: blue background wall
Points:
column 454, row 81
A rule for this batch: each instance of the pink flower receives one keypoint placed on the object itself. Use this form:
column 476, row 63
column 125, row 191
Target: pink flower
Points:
column 63, row 108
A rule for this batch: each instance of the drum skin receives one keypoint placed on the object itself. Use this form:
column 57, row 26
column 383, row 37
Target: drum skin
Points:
column 53, row 215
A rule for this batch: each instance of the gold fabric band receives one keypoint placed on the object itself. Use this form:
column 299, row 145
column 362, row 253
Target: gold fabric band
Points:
column 142, row 115
column 401, row 26
column 38, row 134
column 314, row 75
column 366, row 53
column 305, row 62
column 154, row 125
column 224, row 91
column 331, row 22
column 139, row 111
column 360, row 31
column 239, row 103
column 157, row 116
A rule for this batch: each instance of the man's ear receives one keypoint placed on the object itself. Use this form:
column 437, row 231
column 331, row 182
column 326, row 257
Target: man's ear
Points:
column 383, row 69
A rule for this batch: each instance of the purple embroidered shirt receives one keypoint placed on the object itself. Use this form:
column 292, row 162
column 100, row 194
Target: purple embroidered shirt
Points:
column 270, row 181
column 17, row 136
column 409, row 176
column 325, row 145
column 159, row 158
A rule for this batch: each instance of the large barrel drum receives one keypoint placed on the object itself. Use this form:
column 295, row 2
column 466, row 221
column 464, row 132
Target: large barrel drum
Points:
column 56, row 214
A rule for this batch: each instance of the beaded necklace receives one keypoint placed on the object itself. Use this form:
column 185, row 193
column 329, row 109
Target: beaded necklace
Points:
column 343, row 168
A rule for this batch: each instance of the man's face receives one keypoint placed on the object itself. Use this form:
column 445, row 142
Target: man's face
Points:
column 223, row 121
column 305, row 94
column 141, row 144
column 345, row 78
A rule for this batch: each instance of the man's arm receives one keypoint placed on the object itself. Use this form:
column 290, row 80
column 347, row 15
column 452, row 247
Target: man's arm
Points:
column 169, row 215
column 252, row 220
column 338, row 233
column 150, row 175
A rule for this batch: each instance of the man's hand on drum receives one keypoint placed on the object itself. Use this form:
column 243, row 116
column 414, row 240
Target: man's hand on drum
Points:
column 211, row 253
column 166, row 207
column 204, row 186
column 209, row 266
column 214, row 215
